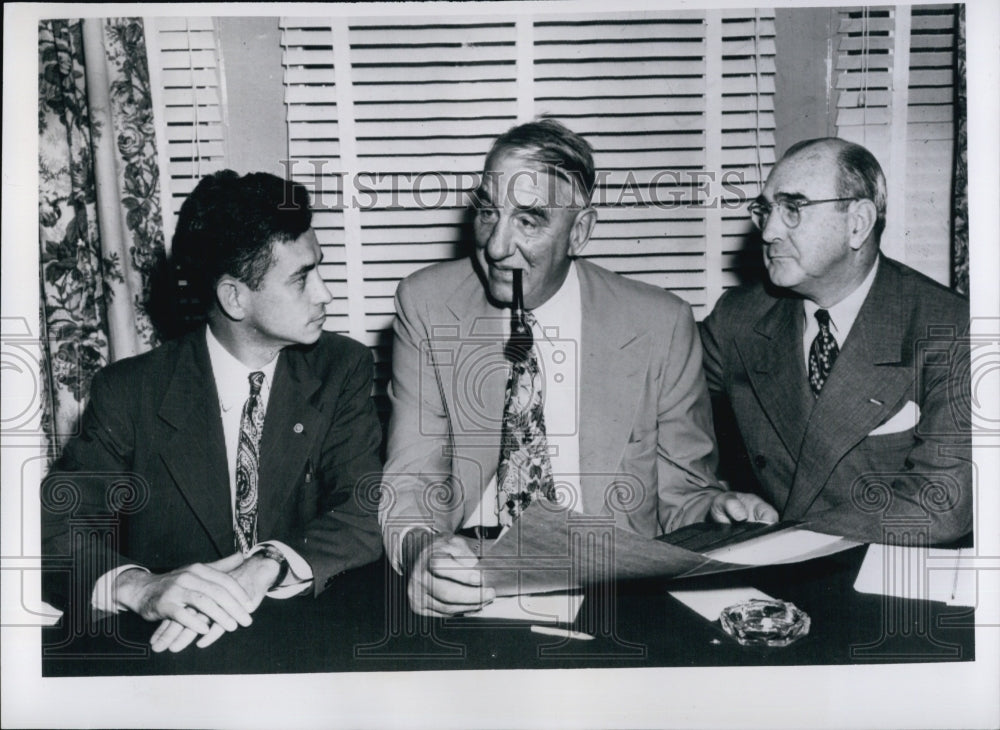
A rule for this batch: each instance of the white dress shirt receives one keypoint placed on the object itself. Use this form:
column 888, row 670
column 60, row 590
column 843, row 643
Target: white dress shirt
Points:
column 842, row 315
column 232, row 383
column 557, row 334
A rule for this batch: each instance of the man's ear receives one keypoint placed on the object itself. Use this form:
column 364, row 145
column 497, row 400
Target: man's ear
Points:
column 230, row 295
column 861, row 217
column 583, row 226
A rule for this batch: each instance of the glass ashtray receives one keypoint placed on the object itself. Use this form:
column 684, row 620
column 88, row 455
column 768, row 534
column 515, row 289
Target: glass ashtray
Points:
column 764, row 623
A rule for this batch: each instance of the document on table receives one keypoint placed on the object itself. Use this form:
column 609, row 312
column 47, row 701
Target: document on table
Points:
column 553, row 549
column 545, row 608
column 17, row 612
column 922, row 573
column 710, row 602
column 793, row 545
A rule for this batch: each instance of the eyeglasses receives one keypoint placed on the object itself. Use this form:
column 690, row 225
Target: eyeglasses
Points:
column 790, row 210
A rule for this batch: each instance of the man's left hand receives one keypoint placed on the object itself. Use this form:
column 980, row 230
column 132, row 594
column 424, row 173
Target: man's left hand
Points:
column 255, row 575
column 741, row 507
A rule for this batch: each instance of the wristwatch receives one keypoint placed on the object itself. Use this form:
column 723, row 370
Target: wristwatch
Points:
column 270, row 551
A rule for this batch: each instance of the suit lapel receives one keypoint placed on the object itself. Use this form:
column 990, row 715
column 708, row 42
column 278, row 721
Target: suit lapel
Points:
column 771, row 355
column 614, row 357
column 291, row 426
column 871, row 375
column 195, row 453
column 474, row 339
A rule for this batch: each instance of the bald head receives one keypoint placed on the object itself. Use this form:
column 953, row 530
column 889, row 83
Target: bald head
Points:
column 824, row 239
column 858, row 174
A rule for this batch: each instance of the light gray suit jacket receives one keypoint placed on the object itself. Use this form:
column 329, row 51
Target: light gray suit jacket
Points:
column 841, row 461
column 647, row 455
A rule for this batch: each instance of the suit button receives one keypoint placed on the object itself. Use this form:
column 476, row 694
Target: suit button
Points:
column 759, row 461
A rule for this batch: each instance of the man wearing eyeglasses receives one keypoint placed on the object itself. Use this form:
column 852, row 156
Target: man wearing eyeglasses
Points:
column 847, row 372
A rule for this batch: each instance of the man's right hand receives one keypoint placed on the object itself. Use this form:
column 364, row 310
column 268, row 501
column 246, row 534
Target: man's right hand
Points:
column 442, row 578
column 254, row 574
column 192, row 596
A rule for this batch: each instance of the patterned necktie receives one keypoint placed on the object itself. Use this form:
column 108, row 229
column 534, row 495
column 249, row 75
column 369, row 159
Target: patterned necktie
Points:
column 822, row 353
column 247, row 462
column 524, row 469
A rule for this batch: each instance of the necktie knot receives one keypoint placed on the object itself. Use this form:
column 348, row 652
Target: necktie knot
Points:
column 521, row 338
column 822, row 353
column 256, row 381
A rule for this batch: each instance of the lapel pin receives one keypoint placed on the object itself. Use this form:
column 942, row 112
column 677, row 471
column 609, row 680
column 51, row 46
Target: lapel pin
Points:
column 298, row 428
column 876, row 402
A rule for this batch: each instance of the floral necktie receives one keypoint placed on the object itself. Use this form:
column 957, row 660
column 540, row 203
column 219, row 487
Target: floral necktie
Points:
column 524, row 469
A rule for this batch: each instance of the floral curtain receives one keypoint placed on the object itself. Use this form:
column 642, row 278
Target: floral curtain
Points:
column 960, row 204
column 100, row 225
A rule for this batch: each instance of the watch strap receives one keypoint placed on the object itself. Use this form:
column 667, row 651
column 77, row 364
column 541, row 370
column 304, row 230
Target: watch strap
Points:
column 269, row 551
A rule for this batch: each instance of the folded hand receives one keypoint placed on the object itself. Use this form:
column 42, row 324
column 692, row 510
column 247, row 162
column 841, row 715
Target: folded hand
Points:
column 254, row 576
column 741, row 506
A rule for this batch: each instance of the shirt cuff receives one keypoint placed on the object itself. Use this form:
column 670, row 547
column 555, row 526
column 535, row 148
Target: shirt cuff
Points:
column 300, row 575
column 102, row 598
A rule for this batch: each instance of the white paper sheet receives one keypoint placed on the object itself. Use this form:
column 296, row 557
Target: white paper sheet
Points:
column 920, row 573
column 710, row 603
column 52, row 615
column 15, row 612
column 787, row 546
column 545, row 608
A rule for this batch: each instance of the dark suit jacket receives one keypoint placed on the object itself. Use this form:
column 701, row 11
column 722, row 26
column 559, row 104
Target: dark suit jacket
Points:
column 148, row 469
column 647, row 454
column 816, row 459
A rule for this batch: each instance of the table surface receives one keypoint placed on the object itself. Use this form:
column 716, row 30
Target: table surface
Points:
column 361, row 623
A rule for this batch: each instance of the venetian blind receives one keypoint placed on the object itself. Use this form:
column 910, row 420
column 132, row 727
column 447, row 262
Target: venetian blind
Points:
column 389, row 121
column 188, row 104
column 679, row 109
column 895, row 96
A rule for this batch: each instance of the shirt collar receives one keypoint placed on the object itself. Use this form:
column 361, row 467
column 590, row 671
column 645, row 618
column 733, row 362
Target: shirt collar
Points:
column 232, row 377
column 560, row 306
column 844, row 312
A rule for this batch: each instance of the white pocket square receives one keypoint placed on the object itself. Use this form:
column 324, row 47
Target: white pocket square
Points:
column 904, row 419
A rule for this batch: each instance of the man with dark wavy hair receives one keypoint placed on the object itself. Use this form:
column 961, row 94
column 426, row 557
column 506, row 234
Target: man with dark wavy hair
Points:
column 605, row 397
column 847, row 372
column 249, row 442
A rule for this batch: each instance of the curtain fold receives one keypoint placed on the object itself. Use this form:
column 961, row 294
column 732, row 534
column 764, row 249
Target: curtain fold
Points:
column 960, row 202
column 100, row 225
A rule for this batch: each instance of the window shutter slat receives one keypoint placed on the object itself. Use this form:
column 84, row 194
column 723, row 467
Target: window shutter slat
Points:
column 429, row 96
column 578, row 27
column 184, row 65
column 314, row 147
column 920, row 182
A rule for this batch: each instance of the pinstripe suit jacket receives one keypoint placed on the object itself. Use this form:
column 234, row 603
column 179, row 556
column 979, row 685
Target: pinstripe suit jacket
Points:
column 817, row 459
